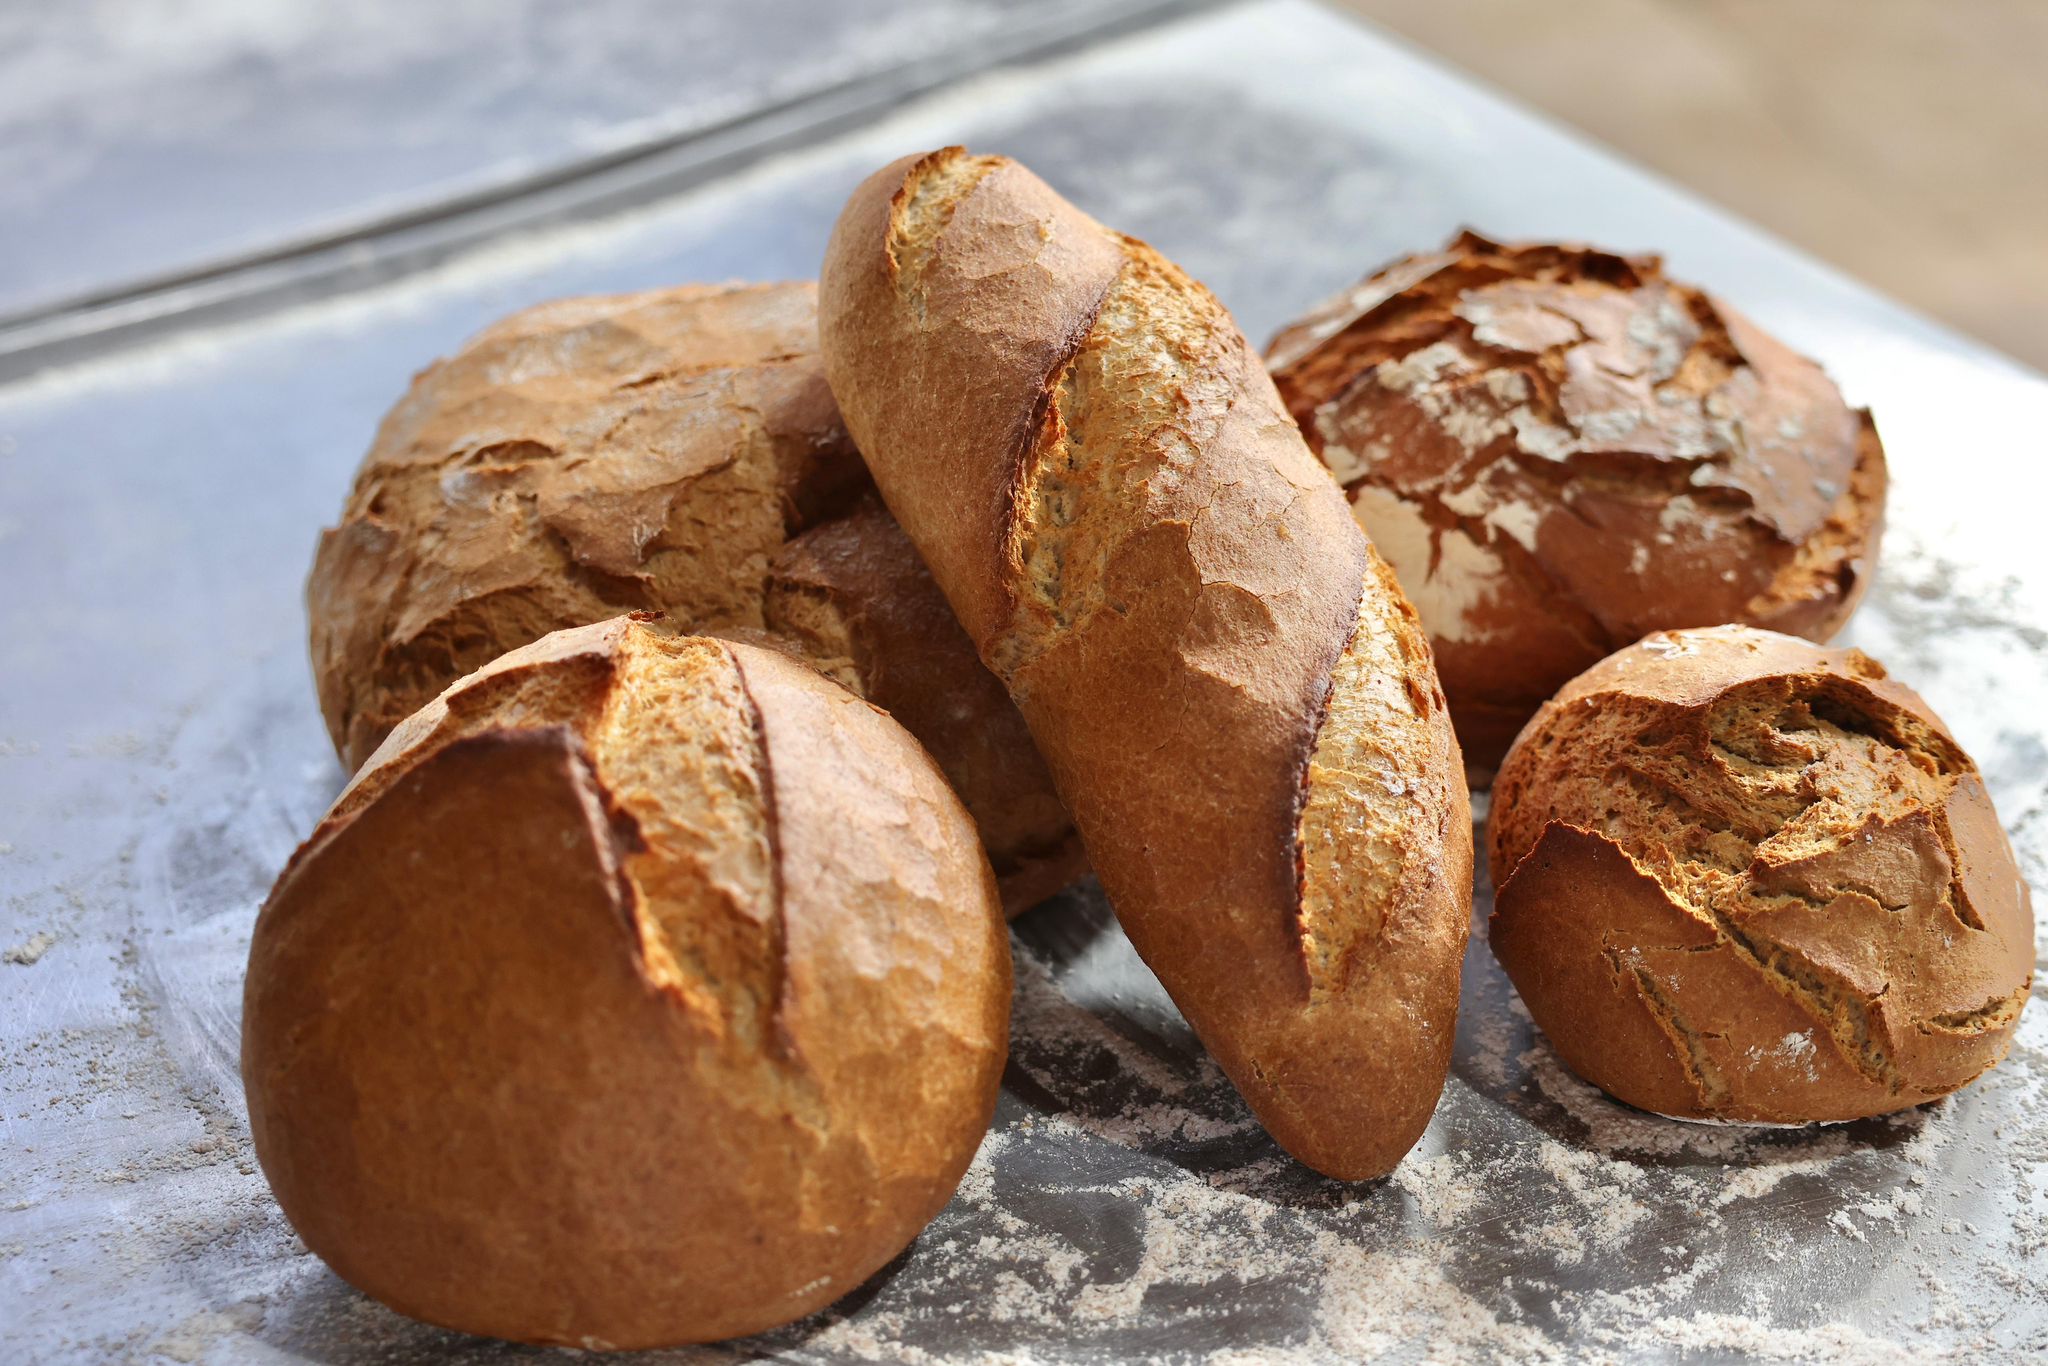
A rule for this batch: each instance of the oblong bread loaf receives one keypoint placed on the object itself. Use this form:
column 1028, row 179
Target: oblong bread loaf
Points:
column 1238, row 706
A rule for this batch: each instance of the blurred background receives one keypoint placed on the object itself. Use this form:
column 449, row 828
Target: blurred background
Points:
column 1903, row 140
column 146, row 141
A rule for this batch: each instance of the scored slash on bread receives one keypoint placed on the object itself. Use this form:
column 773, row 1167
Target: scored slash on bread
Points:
column 1745, row 877
column 1236, row 703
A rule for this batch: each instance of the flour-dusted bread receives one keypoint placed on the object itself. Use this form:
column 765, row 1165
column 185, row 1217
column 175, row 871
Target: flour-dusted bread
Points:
column 655, row 452
column 1237, row 705
column 1743, row 877
column 1561, row 449
column 642, row 989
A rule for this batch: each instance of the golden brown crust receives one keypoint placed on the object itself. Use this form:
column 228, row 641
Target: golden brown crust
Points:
column 1102, row 479
column 574, row 461
column 582, row 1020
column 1560, row 449
column 1749, row 878
column 656, row 452
column 854, row 590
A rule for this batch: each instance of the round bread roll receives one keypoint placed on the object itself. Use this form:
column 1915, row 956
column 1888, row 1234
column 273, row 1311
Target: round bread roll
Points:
column 855, row 599
column 651, row 452
column 642, row 989
column 1743, row 877
column 1560, row 449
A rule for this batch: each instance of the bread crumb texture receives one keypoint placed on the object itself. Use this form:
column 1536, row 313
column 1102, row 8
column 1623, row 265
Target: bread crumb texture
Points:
column 1560, row 449
column 643, row 989
column 1750, row 878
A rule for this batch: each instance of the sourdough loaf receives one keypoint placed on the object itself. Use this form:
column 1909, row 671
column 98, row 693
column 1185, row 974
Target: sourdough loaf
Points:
column 652, row 451
column 1744, row 877
column 1237, row 704
column 1560, row 449
column 641, row 989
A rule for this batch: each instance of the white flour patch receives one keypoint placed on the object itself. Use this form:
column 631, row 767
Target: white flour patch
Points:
column 1445, row 1188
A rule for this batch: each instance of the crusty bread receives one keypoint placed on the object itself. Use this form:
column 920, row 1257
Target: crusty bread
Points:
column 1744, row 877
column 656, row 452
column 854, row 595
column 641, row 989
column 1236, row 703
column 1559, row 449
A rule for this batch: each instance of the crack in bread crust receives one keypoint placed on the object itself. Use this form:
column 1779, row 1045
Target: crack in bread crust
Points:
column 710, row 888
column 1700, row 1068
column 1130, row 411
column 708, row 908
column 1366, row 780
column 572, row 462
column 1562, row 448
column 1787, row 755
column 923, row 207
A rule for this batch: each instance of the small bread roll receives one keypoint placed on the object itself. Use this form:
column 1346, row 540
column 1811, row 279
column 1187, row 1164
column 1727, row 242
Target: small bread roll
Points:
column 654, row 452
column 1560, row 449
column 1743, row 877
column 641, row 990
column 854, row 598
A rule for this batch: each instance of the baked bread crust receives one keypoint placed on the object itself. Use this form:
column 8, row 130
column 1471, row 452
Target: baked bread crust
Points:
column 1236, row 703
column 855, row 598
column 1560, row 449
column 1745, row 877
column 641, row 990
column 655, row 452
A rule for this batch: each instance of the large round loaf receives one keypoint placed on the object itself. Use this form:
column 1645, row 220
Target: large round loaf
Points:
column 1560, row 449
column 641, row 989
column 660, row 452
column 1237, row 704
column 1744, row 877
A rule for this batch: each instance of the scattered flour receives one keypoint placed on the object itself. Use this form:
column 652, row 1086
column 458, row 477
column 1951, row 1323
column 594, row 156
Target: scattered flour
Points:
column 30, row 951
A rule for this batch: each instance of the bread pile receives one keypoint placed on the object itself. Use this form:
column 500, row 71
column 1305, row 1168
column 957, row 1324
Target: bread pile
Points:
column 678, row 452
column 1561, row 449
column 720, row 661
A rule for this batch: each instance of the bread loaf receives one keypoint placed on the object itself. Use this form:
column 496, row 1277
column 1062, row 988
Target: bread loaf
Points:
column 657, row 452
column 640, row 990
column 855, row 597
column 1237, row 705
column 1559, row 449
column 1744, row 877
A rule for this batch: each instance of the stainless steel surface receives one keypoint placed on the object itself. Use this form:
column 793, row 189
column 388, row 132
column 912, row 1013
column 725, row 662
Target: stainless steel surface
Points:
column 160, row 753
column 162, row 169
column 139, row 139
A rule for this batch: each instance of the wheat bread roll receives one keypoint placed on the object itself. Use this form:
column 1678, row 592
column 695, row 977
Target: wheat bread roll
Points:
column 642, row 989
column 655, row 451
column 1237, row 704
column 1745, row 877
column 854, row 597
column 1560, row 449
